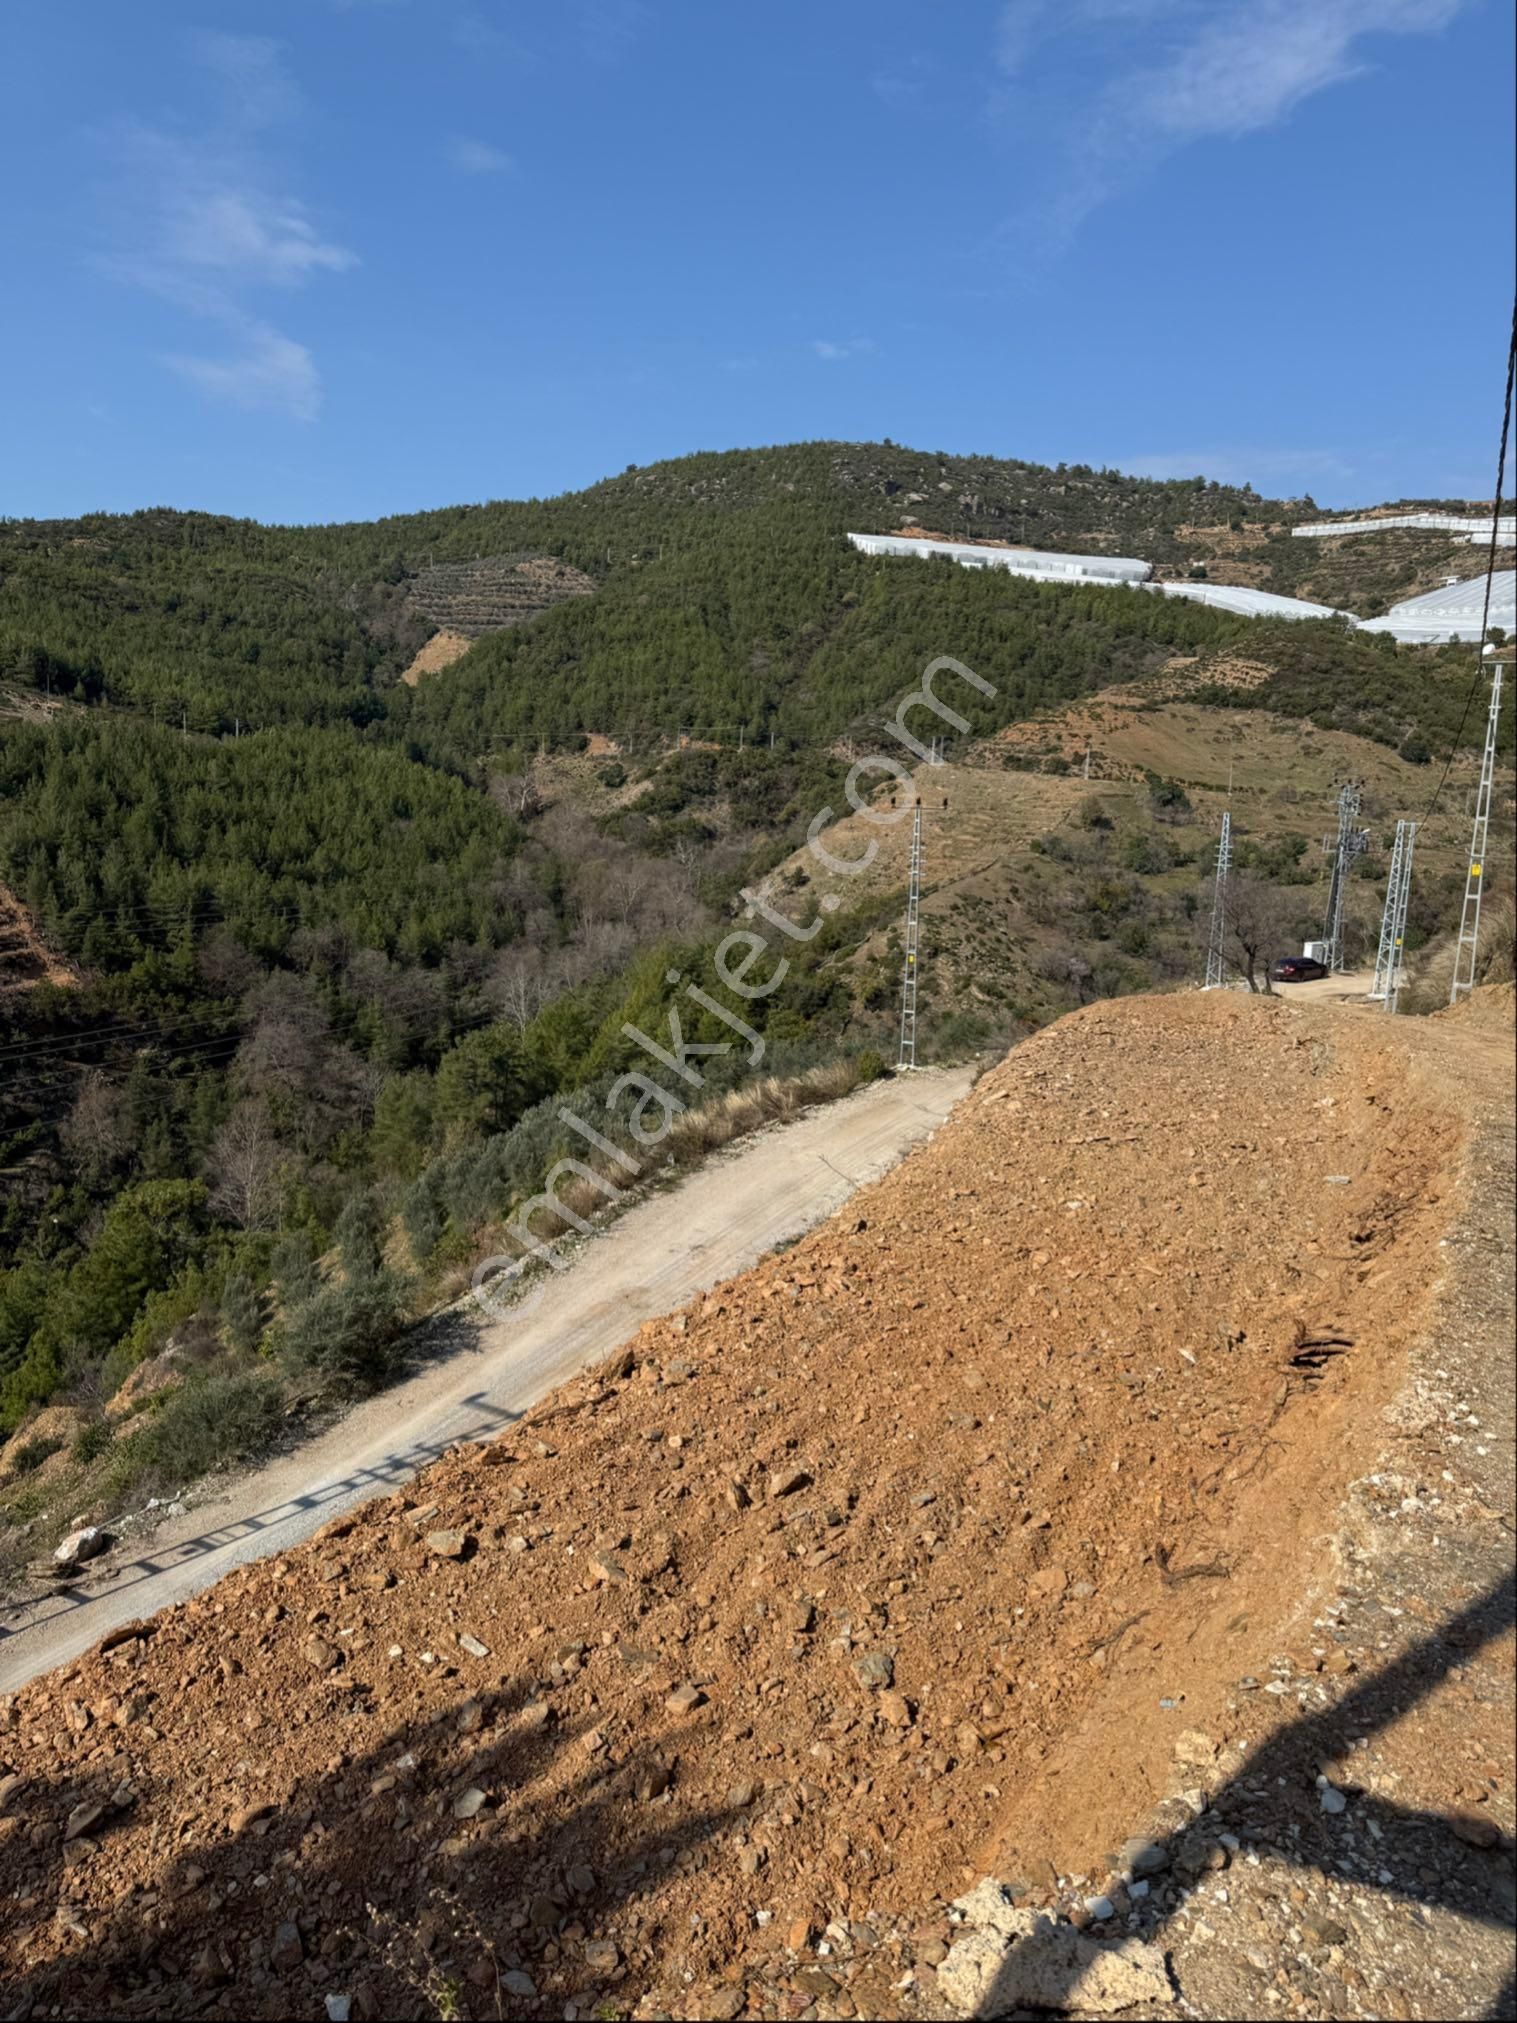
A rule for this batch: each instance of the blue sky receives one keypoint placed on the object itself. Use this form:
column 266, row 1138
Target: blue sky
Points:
column 330, row 259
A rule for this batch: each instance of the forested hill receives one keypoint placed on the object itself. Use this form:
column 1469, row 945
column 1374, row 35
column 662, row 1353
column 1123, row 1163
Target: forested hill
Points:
column 327, row 961
column 211, row 620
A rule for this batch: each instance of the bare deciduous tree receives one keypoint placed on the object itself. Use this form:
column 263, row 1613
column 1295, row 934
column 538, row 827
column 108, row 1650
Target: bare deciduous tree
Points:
column 96, row 1128
column 243, row 1168
column 1262, row 923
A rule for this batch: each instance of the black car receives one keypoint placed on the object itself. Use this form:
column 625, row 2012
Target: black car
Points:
column 1297, row 969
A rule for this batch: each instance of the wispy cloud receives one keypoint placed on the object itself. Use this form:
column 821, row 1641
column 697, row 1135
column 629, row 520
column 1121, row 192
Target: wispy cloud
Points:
column 267, row 371
column 900, row 83
column 478, row 157
column 1179, row 71
column 834, row 349
column 608, row 29
column 206, row 221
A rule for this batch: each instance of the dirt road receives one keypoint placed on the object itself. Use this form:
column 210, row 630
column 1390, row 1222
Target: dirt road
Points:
column 657, row 1256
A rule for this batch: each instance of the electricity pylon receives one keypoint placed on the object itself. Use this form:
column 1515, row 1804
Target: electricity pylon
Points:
column 908, row 1053
column 1467, row 948
column 1398, row 888
column 1345, row 846
column 1216, row 963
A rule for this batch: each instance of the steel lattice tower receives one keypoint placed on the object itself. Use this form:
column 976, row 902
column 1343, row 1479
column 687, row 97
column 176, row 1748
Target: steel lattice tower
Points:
column 908, row 1053
column 1468, row 945
column 1346, row 846
column 1398, row 888
column 1216, row 962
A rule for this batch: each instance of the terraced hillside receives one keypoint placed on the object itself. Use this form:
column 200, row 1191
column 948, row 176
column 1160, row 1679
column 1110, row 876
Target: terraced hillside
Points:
column 497, row 591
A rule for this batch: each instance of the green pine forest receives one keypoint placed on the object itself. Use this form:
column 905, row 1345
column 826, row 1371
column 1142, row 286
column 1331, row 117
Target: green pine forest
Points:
column 334, row 967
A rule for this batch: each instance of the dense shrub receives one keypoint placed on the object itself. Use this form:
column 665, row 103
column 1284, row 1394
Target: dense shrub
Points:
column 221, row 1417
column 348, row 1332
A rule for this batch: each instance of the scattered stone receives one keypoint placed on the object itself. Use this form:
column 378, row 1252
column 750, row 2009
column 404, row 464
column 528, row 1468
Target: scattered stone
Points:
column 318, row 1652
column 895, row 1708
column 1100, row 1908
column 339, row 2008
column 519, row 1984
column 249, row 1815
column 473, row 1646
column 785, row 1481
column 580, row 1880
column 287, row 1951
column 468, row 1803
column 1330, row 1798
column 724, row 2005
column 1474, row 1829
column 126, row 1633
column 83, row 1819
column 601, row 1956
column 607, row 1568
column 736, row 1495
column 1031, row 1962
column 652, row 1781
column 685, row 1700
column 1145, row 1857
column 874, row 1670
column 448, row 1544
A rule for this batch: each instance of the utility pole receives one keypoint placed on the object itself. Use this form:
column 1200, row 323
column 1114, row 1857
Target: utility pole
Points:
column 1467, row 948
column 1393, row 922
column 1086, row 768
column 1216, row 962
column 908, row 1052
column 1348, row 844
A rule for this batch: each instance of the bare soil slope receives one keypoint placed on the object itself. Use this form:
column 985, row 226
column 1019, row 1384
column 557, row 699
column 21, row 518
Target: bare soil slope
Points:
column 899, row 1557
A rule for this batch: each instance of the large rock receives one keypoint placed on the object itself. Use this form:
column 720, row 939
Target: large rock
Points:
column 1006, row 1960
column 86, row 1543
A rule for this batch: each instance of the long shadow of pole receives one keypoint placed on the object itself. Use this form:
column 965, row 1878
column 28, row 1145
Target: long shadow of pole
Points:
column 1292, row 1755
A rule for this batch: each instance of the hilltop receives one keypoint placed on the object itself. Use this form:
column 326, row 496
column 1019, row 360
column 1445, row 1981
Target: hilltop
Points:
column 720, row 569
column 954, row 1542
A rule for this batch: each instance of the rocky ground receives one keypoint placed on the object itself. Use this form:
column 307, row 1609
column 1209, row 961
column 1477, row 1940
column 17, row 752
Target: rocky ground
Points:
column 1071, row 1578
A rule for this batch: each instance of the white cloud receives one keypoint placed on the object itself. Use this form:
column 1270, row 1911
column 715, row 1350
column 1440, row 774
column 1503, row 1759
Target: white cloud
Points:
column 250, row 70
column 478, row 157
column 1179, row 71
column 834, row 349
column 609, row 28
column 270, row 372
column 246, row 235
column 206, row 221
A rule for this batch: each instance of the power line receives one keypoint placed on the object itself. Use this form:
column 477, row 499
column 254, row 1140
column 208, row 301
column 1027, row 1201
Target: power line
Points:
column 1467, row 947
column 1490, row 568
column 1388, row 959
column 907, row 1057
column 1216, row 961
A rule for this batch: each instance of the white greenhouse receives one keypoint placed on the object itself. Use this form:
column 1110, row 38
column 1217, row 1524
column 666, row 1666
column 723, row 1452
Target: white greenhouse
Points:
column 1453, row 612
column 1249, row 603
column 1035, row 562
column 1479, row 531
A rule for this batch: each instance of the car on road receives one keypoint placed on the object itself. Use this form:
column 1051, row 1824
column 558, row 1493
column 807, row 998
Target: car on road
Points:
column 1297, row 969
